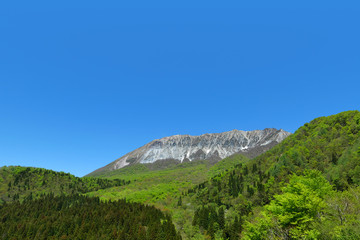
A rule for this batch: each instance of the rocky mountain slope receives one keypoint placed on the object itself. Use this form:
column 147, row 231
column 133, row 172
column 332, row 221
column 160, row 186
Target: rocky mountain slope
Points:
column 213, row 147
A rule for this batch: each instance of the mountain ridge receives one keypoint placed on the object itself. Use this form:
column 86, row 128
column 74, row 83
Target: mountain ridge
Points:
column 208, row 146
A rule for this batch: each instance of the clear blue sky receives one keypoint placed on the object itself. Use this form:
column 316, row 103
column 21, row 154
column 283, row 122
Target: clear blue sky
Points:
column 84, row 82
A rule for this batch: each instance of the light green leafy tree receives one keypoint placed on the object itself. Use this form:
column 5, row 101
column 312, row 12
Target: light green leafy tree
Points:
column 291, row 214
column 342, row 219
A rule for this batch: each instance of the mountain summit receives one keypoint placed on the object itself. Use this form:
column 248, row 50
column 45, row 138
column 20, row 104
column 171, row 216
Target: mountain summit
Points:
column 214, row 146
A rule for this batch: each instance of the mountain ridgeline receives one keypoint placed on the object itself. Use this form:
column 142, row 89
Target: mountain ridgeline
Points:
column 212, row 147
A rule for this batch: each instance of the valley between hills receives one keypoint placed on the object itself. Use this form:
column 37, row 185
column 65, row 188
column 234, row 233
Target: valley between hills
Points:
column 272, row 185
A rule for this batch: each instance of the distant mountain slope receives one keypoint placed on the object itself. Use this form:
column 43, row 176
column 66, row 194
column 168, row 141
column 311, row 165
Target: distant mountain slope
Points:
column 18, row 183
column 215, row 146
column 149, row 185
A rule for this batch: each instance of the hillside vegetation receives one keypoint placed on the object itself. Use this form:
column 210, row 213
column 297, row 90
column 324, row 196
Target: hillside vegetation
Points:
column 164, row 188
column 327, row 145
column 81, row 217
column 141, row 183
column 18, row 183
column 161, row 186
column 223, row 204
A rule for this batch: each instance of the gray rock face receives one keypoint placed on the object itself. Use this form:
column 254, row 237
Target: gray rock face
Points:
column 213, row 146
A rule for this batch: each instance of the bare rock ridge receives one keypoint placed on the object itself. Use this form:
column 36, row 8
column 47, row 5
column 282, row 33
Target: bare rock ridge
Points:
column 214, row 146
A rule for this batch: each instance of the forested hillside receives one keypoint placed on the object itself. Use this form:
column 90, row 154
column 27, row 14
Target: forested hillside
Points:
column 328, row 145
column 163, row 188
column 17, row 183
column 153, row 185
column 81, row 217
column 308, row 207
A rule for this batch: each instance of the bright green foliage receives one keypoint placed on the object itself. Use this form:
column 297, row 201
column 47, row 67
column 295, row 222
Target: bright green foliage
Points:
column 226, row 165
column 342, row 216
column 327, row 144
column 293, row 213
column 18, row 183
column 81, row 217
column 305, row 212
column 152, row 186
column 316, row 145
column 157, row 186
column 164, row 187
column 347, row 171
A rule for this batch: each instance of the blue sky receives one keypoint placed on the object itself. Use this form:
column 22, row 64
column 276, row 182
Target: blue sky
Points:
column 84, row 82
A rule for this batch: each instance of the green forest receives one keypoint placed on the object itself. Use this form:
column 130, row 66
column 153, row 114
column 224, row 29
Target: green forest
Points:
column 306, row 187
column 18, row 183
column 81, row 217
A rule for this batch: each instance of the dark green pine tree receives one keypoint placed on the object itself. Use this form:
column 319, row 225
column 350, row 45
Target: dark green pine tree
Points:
column 254, row 169
column 196, row 218
column 179, row 202
column 211, row 231
column 221, row 218
column 245, row 171
column 204, row 217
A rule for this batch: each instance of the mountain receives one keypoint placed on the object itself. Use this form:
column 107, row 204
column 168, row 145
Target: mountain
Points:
column 214, row 147
column 306, row 187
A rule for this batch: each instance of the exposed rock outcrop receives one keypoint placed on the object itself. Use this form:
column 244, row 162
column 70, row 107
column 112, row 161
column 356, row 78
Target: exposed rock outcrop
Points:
column 213, row 146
